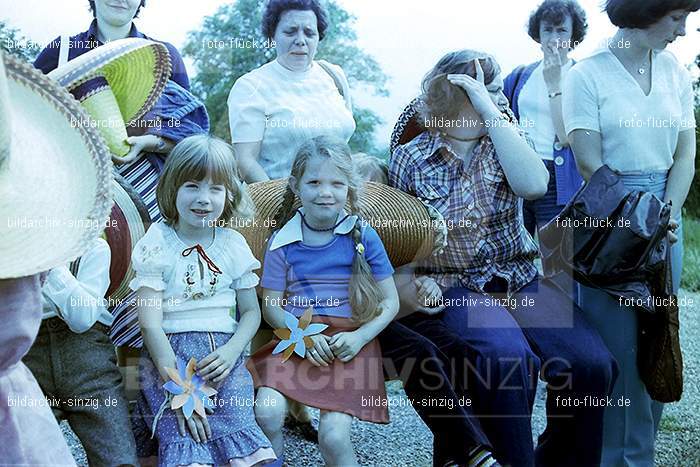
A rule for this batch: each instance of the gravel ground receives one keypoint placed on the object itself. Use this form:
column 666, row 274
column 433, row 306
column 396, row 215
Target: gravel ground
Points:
column 407, row 442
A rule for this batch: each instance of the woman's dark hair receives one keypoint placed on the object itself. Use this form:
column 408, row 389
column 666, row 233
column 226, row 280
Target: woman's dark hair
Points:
column 275, row 8
column 94, row 12
column 555, row 12
column 640, row 14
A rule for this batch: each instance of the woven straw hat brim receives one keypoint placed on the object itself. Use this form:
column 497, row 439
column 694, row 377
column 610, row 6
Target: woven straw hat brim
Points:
column 136, row 70
column 101, row 104
column 409, row 229
column 55, row 184
column 408, row 126
column 128, row 222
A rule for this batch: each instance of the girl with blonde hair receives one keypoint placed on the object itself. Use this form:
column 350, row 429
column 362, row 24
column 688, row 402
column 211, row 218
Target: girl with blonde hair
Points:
column 328, row 259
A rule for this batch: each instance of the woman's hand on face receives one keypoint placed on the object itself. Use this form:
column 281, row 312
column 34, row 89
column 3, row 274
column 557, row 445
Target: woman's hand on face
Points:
column 320, row 354
column 551, row 67
column 346, row 345
column 477, row 92
column 216, row 366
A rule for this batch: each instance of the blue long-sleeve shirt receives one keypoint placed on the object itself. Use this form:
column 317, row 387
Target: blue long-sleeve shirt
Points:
column 87, row 40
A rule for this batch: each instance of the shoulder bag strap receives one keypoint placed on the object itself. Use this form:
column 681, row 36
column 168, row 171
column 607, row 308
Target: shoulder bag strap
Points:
column 333, row 75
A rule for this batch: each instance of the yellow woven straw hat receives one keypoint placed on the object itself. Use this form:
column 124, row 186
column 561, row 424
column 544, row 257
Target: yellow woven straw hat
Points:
column 55, row 175
column 409, row 229
column 118, row 83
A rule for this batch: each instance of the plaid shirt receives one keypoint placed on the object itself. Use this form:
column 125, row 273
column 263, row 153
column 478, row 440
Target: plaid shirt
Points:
column 486, row 236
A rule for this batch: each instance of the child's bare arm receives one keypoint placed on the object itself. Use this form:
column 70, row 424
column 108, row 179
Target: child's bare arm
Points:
column 274, row 315
column 346, row 345
column 272, row 308
column 249, row 321
column 151, row 322
column 389, row 307
column 218, row 364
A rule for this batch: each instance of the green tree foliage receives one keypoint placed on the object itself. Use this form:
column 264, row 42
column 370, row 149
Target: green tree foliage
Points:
column 222, row 52
column 12, row 41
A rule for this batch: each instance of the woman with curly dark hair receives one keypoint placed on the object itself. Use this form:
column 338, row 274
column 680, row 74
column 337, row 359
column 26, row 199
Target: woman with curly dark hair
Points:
column 535, row 95
column 275, row 108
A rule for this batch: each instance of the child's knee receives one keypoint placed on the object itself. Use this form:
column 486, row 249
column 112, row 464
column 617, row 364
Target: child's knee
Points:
column 334, row 431
column 270, row 409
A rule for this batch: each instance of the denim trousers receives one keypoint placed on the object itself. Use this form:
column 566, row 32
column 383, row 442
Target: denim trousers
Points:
column 512, row 339
column 423, row 352
column 629, row 431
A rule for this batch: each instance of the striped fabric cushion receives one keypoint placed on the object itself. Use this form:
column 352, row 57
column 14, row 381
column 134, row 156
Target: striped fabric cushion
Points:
column 143, row 176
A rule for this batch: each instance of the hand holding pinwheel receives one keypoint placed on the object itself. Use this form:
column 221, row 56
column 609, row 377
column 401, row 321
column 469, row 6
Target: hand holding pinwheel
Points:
column 296, row 337
column 191, row 395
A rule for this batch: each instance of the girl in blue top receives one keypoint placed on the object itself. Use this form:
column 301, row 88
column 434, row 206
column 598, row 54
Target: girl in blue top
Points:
column 191, row 273
column 329, row 259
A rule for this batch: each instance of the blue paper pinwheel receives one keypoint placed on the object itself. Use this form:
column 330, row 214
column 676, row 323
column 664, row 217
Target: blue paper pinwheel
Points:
column 189, row 389
column 295, row 337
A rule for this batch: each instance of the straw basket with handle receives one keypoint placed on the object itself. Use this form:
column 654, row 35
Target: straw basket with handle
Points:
column 409, row 229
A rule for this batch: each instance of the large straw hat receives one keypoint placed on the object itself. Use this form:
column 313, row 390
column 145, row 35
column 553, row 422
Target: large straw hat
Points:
column 55, row 176
column 128, row 222
column 118, row 83
column 409, row 229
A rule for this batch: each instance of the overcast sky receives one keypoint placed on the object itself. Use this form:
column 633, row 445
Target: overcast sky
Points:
column 406, row 37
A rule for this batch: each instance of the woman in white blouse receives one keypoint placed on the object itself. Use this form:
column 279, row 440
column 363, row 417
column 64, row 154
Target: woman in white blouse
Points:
column 274, row 109
column 630, row 106
column 277, row 107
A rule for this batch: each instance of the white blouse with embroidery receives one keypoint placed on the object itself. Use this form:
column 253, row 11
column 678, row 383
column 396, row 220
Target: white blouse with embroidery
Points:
column 199, row 287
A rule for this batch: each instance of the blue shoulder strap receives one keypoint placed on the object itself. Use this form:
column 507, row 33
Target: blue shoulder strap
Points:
column 514, row 83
